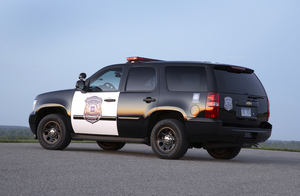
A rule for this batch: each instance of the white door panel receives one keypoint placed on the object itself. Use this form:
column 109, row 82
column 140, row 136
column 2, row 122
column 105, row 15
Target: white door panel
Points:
column 95, row 113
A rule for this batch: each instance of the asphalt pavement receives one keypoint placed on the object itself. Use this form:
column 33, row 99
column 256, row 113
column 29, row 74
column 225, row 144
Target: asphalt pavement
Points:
column 85, row 169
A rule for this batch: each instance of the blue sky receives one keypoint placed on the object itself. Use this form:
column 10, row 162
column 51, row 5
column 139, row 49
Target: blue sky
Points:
column 44, row 45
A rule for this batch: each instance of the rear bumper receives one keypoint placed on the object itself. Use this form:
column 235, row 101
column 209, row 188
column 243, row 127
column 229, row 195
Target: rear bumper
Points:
column 213, row 131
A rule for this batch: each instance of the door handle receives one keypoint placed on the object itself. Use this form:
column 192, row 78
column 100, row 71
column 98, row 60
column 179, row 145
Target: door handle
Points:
column 149, row 99
column 109, row 100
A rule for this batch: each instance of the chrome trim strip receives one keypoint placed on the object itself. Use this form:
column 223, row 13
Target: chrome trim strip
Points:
column 129, row 118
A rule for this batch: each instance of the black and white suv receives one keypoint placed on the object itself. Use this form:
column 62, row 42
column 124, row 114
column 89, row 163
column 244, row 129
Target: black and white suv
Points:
column 171, row 106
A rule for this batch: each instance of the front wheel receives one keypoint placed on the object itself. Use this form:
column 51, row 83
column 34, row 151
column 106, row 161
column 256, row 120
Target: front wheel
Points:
column 52, row 132
column 111, row 145
column 226, row 153
column 168, row 139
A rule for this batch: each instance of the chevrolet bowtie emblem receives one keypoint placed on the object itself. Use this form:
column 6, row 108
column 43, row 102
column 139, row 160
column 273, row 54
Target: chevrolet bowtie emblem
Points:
column 248, row 103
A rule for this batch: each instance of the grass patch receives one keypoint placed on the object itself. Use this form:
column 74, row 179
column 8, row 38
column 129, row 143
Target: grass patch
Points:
column 37, row 141
column 276, row 149
column 18, row 141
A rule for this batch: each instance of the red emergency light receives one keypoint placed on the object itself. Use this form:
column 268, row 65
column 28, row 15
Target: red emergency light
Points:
column 136, row 59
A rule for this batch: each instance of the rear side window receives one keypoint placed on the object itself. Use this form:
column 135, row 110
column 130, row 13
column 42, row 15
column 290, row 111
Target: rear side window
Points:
column 186, row 78
column 239, row 83
column 141, row 79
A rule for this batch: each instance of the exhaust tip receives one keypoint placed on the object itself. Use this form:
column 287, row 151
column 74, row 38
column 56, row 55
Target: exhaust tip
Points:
column 255, row 145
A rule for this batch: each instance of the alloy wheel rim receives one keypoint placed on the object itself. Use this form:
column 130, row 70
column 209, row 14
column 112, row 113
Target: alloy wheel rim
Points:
column 51, row 132
column 166, row 139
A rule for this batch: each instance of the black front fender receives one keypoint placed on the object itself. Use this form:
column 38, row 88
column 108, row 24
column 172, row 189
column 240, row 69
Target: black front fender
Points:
column 58, row 102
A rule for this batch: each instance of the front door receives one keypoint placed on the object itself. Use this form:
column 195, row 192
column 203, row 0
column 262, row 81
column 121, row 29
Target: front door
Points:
column 95, row 111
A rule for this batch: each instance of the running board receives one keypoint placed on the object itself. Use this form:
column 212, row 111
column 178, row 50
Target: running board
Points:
column 108, row 138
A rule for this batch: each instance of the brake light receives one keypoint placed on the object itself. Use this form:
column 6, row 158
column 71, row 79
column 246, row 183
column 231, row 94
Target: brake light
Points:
column 238, row 68
column 212, row 105
column 268, row 116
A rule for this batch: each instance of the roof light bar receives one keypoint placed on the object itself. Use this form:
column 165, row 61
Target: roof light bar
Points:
column 139, row 59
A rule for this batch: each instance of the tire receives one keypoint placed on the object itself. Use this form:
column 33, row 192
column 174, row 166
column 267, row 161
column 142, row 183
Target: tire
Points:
column 168, row 139
column 52, row 132
column 226, row 153
column 111, row 145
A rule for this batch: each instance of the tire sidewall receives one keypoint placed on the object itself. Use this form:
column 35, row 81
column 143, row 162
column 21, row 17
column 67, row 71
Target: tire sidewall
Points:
column 228, row 153
column 111, row 145
column 64, row 139
column 181, row 145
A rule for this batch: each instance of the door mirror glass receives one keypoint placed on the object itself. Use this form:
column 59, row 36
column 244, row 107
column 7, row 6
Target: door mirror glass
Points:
column 80, row 84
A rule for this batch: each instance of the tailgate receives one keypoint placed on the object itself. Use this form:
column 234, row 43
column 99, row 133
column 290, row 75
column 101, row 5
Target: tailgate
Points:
column 243, row 100
column 239, row 110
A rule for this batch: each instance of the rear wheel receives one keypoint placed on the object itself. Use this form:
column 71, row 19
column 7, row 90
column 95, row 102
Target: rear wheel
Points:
column 226, row 153
column 168, row 139
column 52, row 132
column 111, row 145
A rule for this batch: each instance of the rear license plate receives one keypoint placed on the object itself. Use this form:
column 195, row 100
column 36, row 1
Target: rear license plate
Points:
column 246, row 112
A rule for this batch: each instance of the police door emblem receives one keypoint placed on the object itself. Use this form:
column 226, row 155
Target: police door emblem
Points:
column 92, row 110
column 228, row 103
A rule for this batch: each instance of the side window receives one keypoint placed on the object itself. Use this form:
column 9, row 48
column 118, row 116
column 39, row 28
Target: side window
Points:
column 141, row 79
column 108, row 80
column 184, row 78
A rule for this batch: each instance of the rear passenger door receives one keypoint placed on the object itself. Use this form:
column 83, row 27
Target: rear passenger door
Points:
column 138, row 101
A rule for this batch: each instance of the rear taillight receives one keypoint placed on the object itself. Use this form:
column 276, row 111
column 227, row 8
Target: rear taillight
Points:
column 212, row 105
column 268, row 116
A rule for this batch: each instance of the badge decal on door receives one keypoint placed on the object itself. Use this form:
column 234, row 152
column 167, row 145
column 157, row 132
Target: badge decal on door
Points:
column 228, row 103
column 92, row 111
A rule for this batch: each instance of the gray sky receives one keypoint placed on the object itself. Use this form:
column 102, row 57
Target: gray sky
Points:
column 44, row 45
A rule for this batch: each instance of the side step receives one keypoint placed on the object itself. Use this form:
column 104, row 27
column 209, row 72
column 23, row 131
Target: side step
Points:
column 109, row 138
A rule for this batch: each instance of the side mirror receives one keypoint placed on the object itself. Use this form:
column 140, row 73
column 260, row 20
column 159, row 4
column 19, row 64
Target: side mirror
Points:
column 80, row 84
column 82, row 76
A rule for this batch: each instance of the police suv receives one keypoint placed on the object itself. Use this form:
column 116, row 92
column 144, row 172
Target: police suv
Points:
column 170, row 106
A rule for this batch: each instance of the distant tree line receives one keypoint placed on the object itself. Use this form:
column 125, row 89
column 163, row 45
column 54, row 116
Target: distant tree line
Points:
column 277, row 144
column 15, row 133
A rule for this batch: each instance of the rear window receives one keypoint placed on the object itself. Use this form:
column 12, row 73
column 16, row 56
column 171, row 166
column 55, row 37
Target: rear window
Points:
column 239, row 83
column 186, row 78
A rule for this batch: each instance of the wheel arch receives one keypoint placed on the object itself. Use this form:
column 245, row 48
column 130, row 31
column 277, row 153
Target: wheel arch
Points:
column 161, row 115
column 47, row 109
